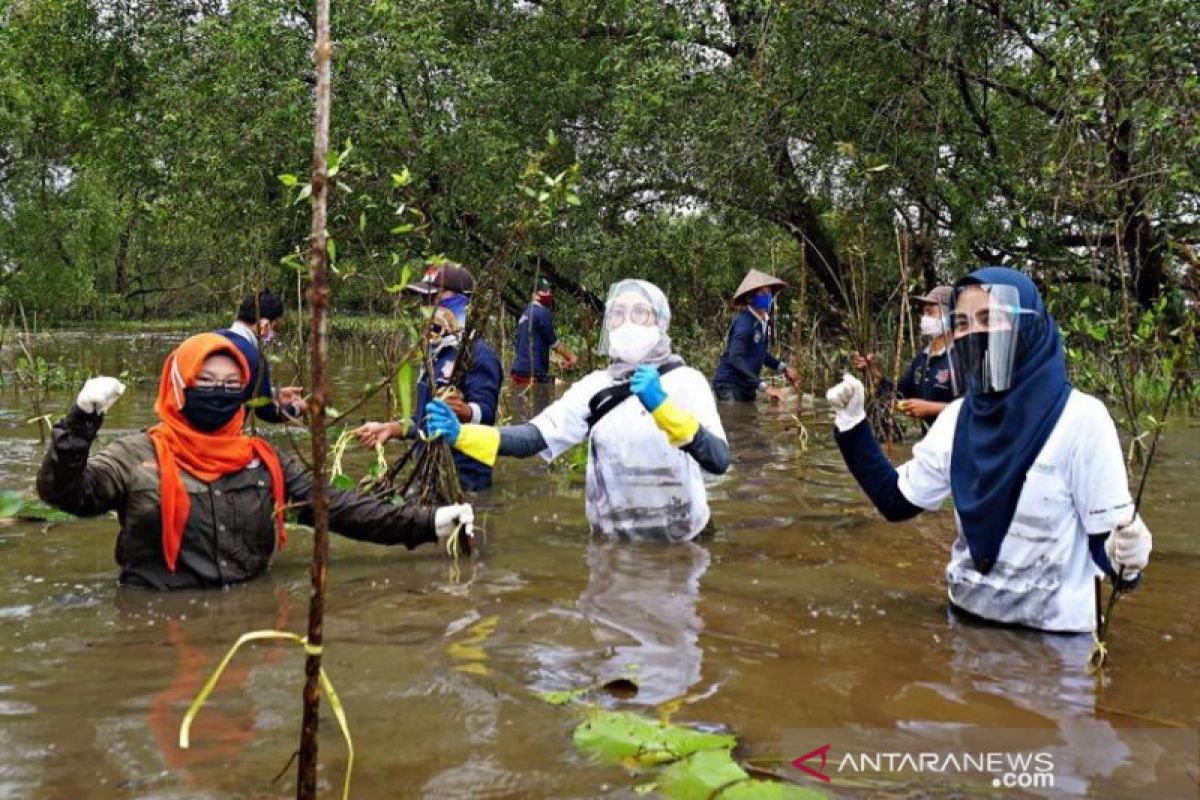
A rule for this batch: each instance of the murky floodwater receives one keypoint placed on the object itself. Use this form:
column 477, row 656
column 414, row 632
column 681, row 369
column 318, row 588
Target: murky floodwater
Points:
column 803, row 610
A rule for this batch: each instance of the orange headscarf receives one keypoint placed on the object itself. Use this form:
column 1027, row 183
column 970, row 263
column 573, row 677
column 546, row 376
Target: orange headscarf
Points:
column 207, row 456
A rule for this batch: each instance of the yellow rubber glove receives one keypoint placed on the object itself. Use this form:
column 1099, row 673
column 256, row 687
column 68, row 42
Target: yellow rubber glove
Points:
column 679, row 425
column 480, row 442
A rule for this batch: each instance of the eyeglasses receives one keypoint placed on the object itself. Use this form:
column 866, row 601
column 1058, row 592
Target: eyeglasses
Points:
column 209, row 385
column 638, row 314
column 991, row 318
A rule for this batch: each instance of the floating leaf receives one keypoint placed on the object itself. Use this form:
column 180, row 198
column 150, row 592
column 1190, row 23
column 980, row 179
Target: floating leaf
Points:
column 714, row 774
column 10, row 503
column 622, row 737
column 563, row 697
column 37, row 511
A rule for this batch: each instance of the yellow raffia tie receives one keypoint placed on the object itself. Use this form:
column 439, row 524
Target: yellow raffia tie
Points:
column 309, row 649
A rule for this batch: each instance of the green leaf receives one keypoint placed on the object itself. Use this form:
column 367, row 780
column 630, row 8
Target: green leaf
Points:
column 406, row 227
column 10, row 503
column 621, row 737
column 37, row 511
column 342, row 481
column 288, row 179
column 573, row 199
column 404, row 389
column 401, row 178
column 331, row 248
column 714, row 773
column 563, row 697
column 305, row 191
column 258, row 402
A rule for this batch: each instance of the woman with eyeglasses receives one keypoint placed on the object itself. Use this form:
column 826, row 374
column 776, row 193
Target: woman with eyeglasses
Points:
column 650, row 421
column 200, row 503
column 1033, row 465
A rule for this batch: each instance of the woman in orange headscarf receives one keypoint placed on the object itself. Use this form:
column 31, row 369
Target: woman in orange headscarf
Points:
column 201, row 504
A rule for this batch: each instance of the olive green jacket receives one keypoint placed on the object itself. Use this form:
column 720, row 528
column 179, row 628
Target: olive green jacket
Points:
column 230, row 533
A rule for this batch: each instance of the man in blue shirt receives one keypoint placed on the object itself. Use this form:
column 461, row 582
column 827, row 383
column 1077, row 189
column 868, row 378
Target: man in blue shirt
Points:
column 258, row 319
column 476, row 398
column 746, row 347
column 536, row 338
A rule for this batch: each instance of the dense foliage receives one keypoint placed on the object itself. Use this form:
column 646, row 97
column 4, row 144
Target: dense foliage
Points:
column 142, row 144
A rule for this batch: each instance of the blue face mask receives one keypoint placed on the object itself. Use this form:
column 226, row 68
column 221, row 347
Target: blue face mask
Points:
column 762, row 302
column 458, row 304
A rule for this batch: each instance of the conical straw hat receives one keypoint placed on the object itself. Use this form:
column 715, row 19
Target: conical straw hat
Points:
column 754, row 281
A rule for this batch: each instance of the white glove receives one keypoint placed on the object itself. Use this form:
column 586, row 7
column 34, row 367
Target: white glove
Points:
column 447, row 519
column 98, row 394
column 1128, row 548
column 847, row 399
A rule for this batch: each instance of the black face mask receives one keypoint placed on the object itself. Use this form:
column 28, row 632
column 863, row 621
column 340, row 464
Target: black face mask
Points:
column 209, row 409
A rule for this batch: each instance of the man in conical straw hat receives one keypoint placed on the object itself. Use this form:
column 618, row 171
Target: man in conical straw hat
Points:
column 746, row 346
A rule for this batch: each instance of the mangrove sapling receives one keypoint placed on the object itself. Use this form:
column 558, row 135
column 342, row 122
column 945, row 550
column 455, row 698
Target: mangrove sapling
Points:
column 902, row 250
column 1099, row 655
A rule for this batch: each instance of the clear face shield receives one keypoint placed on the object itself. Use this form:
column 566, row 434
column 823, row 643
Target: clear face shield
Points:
column 989, row 326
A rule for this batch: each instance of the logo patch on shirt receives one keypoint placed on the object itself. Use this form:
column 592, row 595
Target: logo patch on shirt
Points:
column 757, row 337
column 942, row 376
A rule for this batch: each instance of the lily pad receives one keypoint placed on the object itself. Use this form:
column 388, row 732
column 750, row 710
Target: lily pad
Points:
column 620, row 737
column 713, row 774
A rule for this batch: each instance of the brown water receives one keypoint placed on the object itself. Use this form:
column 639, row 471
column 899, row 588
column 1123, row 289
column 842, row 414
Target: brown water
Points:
column 804, row 610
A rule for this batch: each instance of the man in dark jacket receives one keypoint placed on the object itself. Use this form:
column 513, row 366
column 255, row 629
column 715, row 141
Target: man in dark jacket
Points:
column 475, row 397
column 746, row 347
column 258, row 319
column 536, row 337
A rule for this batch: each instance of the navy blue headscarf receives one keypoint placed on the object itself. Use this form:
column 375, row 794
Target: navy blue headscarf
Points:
column 999, row 435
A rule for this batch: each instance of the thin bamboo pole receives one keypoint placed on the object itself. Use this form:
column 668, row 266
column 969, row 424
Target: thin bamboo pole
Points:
column 318, row 299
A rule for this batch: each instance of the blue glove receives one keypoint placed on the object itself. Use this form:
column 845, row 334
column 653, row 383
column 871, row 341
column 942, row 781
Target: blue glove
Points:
column 441, row 421
column 648, row 388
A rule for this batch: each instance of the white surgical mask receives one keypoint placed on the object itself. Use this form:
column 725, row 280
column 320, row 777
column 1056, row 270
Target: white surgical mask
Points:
column 933, row 326
column 632, row 342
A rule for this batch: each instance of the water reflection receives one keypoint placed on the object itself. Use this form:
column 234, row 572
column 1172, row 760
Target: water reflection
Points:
column 640, row 609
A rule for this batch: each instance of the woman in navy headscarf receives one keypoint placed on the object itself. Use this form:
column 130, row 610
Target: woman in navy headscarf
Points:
column 1034, row 467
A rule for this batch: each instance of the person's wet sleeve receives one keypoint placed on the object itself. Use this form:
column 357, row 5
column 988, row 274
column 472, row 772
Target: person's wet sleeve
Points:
column 71, row 481
column 358, row 516
column 521, row 441
column 876, row 476
column 709, row 451
column 708, row 446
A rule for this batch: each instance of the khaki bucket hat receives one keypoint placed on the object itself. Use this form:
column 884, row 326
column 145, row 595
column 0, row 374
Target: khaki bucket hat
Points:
column 754, row 281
